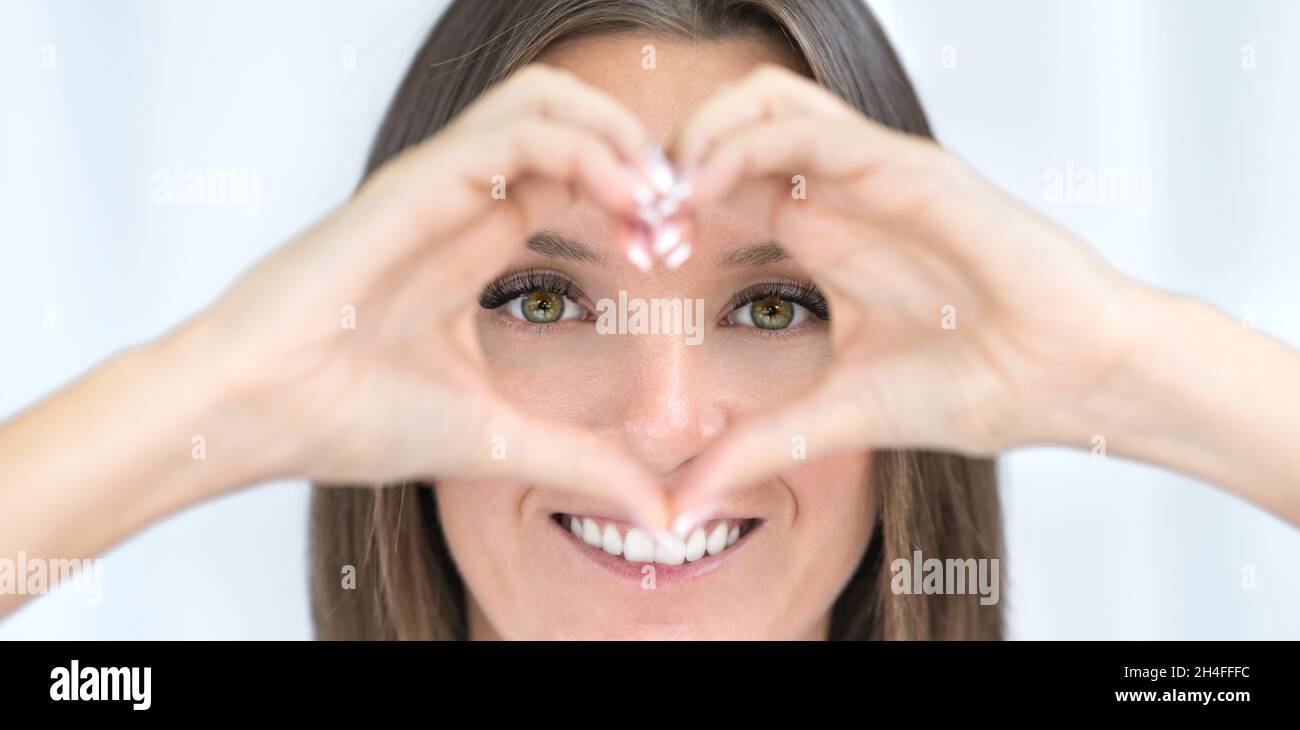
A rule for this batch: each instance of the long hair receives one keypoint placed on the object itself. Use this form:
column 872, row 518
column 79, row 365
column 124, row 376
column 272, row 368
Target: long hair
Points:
column 407, row 585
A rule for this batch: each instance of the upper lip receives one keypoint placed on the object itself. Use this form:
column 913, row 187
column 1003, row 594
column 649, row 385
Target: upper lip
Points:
column 624, row 520
column 627, row 545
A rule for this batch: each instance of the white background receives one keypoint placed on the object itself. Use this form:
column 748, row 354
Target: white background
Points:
column 1098, row 548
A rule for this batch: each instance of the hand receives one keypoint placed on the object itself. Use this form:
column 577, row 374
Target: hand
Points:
column 960, row 320
column 403, row 394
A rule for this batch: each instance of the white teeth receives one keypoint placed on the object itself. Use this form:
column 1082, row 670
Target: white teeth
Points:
column 591, row 532
column 695, row 545
column 670, row 550
column 612, row 541
column 717, row 541
column 638, row 547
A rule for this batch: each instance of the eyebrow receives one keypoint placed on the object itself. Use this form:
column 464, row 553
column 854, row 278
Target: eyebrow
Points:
column 763, row 253
column 558, row 247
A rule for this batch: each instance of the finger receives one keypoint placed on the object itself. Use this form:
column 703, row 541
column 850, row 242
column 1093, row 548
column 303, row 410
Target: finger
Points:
column 769, row 93
column 820, row 422
column 533, row 147
column 575, row 460
column 442, row 188
column 806, row 146
column 550, row 93
column 448, row 181
column 882, row 184
column 544, row 167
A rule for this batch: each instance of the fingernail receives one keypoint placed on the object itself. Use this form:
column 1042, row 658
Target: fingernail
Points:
column 644, row 195
column 671, row 201
column 665, row 239
column 678, row 256
column 639, row 257
column 683, row 189
column 688, row 521
column 650, row 215
column 660, row 172
column 662, row 537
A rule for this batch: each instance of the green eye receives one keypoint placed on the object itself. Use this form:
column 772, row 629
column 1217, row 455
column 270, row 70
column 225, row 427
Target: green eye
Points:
column 771, row 313
column 542, row 307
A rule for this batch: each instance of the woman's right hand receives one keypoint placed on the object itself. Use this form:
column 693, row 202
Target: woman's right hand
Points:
column 352, row 352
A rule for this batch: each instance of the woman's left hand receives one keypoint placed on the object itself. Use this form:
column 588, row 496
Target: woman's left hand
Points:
column 961, row 320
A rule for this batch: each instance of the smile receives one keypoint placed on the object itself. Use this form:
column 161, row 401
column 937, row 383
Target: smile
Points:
column 638, row 546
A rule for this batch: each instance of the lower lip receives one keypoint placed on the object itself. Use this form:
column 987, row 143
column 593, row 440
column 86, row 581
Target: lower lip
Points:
column 630, row 570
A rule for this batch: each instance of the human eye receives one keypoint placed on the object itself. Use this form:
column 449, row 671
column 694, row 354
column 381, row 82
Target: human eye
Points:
column 776, row 306
column 536, row 297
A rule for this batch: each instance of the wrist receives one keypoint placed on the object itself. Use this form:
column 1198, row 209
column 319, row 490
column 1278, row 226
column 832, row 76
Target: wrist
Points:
column 117, row 450
column 1138, row 394
column 205, row 399
column 1199, row 393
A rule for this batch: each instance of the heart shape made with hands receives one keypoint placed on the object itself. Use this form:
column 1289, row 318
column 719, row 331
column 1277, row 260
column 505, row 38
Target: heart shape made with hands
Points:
column 417, row 245
column 895, row 230
column 898, row 236
column 661, row 232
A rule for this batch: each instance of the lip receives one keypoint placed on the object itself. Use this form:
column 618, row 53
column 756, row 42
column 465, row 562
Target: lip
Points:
column 663, row 572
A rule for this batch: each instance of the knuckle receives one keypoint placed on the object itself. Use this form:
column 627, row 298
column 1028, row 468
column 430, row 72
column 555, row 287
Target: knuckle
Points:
column 532, row 72
column 769, row 72
column 540, row 77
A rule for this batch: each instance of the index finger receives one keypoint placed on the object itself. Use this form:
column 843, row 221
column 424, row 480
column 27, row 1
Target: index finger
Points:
column 769, row 93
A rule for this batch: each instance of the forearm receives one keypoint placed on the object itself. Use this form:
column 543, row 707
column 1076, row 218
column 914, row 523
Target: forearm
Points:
column 1209, row 398
column 137, row 438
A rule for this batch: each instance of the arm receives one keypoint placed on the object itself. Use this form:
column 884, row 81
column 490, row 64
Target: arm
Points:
column 275, row 384
column 1203, row 396
column 968, row 323
column 113, row 452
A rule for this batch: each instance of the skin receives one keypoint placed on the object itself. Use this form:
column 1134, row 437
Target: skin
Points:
column 1051, row 346
column 1046, row 345
column 664, row 400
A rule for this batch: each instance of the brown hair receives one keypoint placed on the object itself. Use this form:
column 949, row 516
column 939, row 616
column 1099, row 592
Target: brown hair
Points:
column 944, row 505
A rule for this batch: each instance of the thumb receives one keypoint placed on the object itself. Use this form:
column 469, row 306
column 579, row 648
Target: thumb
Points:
column 822, row 421
column 575, row 460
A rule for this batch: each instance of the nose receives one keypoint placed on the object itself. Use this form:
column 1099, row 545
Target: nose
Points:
column 670, row 408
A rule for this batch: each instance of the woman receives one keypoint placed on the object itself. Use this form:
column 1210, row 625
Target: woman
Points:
column 495, row 461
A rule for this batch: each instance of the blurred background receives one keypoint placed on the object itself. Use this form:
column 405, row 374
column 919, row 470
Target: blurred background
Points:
column 1161, row 131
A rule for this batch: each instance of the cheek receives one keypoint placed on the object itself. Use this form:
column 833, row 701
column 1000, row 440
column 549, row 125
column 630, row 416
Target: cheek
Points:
column 760, row 372
column 556, row 376
column 481, row 524
column 835, row 519
column 835, row 495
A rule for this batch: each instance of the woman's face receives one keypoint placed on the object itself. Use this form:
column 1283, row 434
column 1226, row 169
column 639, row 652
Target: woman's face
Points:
column 790, row 544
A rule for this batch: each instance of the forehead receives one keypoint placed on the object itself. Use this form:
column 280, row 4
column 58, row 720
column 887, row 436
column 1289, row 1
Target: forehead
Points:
column 684, row 72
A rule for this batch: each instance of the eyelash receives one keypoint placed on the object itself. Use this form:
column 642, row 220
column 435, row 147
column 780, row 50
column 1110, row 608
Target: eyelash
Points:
column 805, row 295
column 512, row 286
